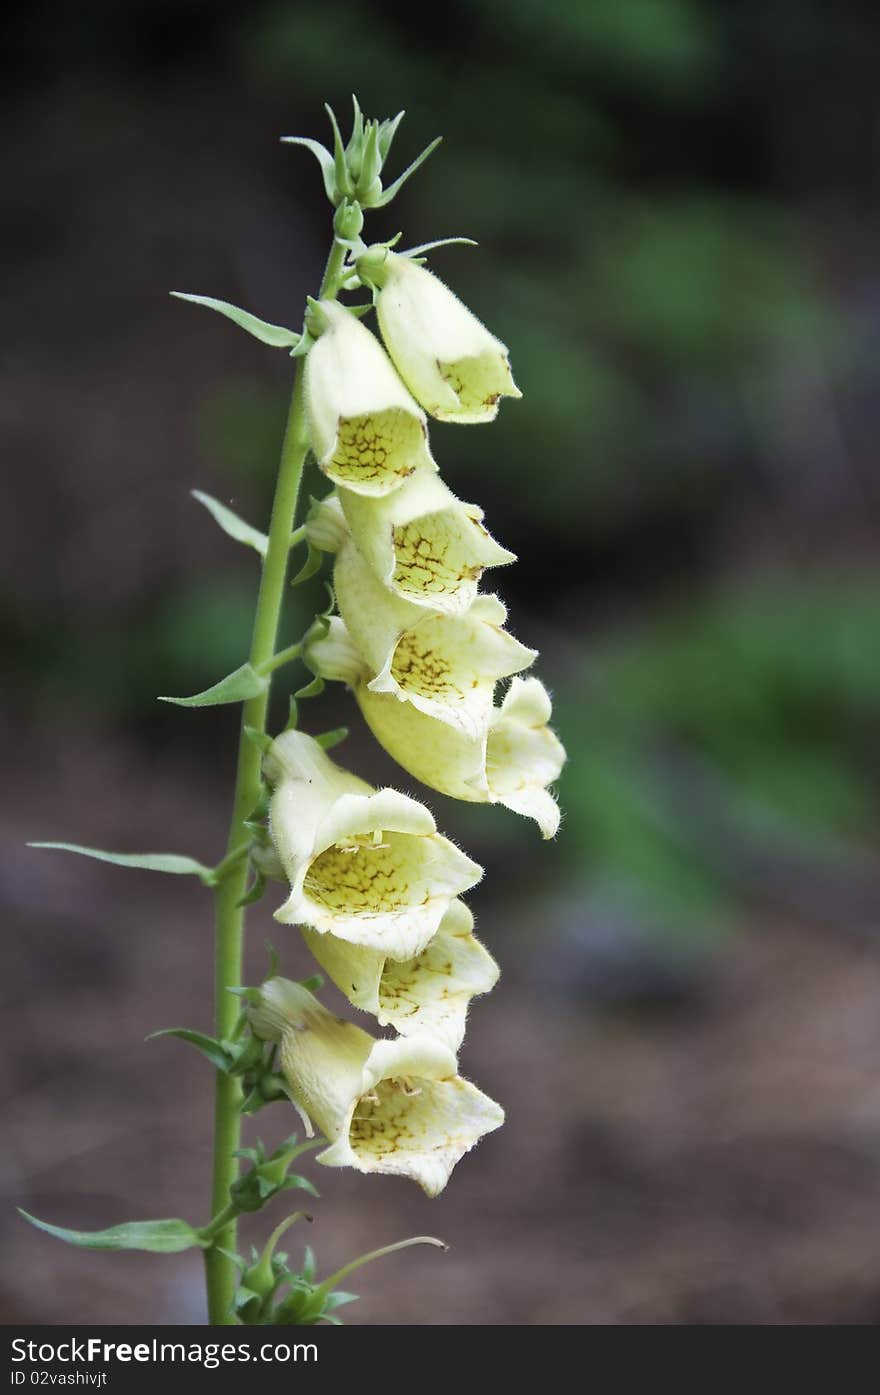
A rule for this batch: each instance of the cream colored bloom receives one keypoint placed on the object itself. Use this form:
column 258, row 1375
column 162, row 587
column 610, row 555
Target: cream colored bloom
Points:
column 445, row 665
column 365, row 430
column 511, row 764
column 445, row 355
column 423, row 543
column 397, row 1107
column 366, row 865
column 427, row 994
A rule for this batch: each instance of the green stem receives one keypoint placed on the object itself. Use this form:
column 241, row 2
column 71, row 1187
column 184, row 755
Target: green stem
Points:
column 292, row 651
column 229, row 914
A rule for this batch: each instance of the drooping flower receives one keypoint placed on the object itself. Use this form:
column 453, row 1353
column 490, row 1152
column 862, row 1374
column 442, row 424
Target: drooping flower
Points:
column 513, row 762
column 423, row 543
column 396, row 1107
column 447, row 666
column 427, row 994
column 365, row 429
column 445, row 355
column 366, row 865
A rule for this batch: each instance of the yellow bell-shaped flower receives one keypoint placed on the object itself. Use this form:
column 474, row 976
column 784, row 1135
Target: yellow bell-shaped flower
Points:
column 427, row 994
column 366, row 865
column 396, row 1107
column 365, row 429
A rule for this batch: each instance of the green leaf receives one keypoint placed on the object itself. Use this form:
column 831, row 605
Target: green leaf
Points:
column 294, row 1182
column 231, row 524
column 260, row 739
column 399, row 182
column 276, row 336
column 328, row 739
column 149, row 862
column 324, row 158
column 244, row 683
column 209, row 1046
column 254, row 892
column 312, row 564
column 313, row 689
column 338, row 1299
column 161, row 1237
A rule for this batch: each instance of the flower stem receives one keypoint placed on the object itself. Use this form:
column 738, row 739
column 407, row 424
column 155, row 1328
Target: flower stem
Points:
column 229, row 914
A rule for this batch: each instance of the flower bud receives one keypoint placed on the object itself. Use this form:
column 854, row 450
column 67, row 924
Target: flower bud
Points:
column 348, row 221
column 445, row 355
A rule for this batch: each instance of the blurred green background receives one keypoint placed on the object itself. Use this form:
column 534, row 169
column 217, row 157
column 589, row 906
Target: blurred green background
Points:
column 676, row 206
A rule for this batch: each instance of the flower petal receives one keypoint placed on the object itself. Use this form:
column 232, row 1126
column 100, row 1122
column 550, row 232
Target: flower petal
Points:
column 416, row 1118
column 366, row 430
column 427, row 994
column 424, row 544
column 444, row 354
column 445, row 665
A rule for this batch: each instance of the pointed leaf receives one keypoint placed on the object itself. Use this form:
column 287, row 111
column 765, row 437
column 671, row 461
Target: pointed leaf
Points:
column 149, row 862
column 440, row 242
column 323, row 157
column 329, row 739
column 338, row 1299
column 312, row 564
column 231, row 524
column 161, row 1237
column 244, row 683
column 398, row 184
column 209, row 1046
column 254, row 892
column 340, row 165
column 260, row 739
column 276, row 336
column 313, row 689
column 243, row 1296
column 293, row 1182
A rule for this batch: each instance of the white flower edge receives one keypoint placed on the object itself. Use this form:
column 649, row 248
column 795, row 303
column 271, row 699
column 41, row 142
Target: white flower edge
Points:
column 365, row 429
column 423, row 543
column 396, row 1107
column 511, row 764
column 368, row 866
column 428, row 994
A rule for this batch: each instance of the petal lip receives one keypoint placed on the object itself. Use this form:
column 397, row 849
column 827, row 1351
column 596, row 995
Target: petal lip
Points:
column 427, row 994
column 423, row 1136
column 365, row 865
